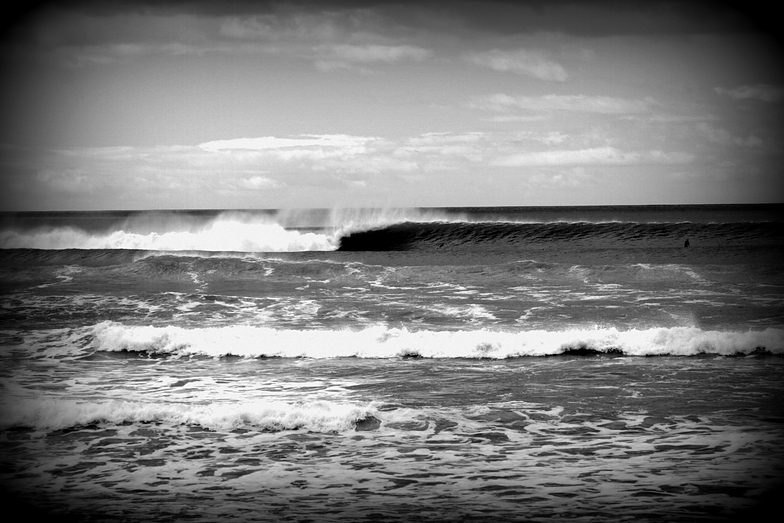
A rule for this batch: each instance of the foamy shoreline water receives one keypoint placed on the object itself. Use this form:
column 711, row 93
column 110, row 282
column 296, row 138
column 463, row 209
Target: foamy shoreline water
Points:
column 555, row 439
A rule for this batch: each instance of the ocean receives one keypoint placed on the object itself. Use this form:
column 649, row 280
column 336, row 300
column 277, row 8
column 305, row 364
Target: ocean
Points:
column 534, row 364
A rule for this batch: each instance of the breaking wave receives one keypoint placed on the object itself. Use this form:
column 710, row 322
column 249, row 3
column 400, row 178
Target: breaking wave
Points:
column 345, row 229
column 384, row 342
column 234, row 231
column 264, row 415
column 219, row 235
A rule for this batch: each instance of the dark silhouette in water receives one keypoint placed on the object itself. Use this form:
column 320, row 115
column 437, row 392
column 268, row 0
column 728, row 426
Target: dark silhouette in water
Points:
column 686, row 244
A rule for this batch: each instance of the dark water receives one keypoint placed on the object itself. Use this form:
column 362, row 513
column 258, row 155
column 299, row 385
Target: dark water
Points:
column 504, row 364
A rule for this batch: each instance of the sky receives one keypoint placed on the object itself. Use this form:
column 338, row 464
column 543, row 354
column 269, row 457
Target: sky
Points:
column 239, row 104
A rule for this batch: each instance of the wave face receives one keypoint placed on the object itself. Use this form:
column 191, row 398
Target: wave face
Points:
column 433, row 236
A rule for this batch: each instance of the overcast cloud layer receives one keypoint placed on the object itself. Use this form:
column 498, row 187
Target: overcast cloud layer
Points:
column 234, row 104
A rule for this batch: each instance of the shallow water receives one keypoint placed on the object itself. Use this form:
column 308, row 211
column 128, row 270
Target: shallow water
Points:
column 642, row 439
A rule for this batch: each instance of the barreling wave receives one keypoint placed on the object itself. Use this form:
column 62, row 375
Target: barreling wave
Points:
column 271, row 416
column 451, row 235
column 384, row 342
column 235, row 231
column 350, row 230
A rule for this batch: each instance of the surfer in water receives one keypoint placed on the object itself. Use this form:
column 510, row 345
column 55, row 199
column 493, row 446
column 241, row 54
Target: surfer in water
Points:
column 686, row 243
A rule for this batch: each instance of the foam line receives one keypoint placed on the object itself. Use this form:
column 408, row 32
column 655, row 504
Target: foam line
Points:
column 384, row 342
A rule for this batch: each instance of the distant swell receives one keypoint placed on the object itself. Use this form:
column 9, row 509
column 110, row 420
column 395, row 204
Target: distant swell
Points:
column 438, row 235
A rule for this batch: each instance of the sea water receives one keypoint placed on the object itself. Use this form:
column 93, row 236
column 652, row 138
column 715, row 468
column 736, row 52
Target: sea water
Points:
column 474, row 364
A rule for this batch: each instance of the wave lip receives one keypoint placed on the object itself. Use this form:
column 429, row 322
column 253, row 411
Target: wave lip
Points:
column 383, row 342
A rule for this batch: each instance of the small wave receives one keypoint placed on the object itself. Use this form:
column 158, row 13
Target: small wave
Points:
column 384, row 342
column 263, row 415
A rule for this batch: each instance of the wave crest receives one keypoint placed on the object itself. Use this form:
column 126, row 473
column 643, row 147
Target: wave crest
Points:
column 264, row 415
column 384, row 342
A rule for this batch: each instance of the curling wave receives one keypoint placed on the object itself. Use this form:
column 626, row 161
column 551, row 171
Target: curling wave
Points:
column 457, row 235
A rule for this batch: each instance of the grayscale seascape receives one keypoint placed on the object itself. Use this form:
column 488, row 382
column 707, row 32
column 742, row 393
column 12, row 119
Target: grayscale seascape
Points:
column 471, row 261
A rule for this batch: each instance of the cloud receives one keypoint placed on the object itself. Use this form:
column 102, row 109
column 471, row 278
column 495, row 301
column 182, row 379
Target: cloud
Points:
column 353, row 154
column 286, row 24
column 72, row 179
column 345, row 56
column 261, row 27
column 333, row 39
column 445, row 138
column 521, row 61
column 519, row 118
column 567, row 177
column 329, row 153
column 108, row 54
column 376, row 163
column 721, row 136
column 591, row 156
column 554, row 102
column 330, row 38
column 470, row 146
column 273, row 142
column 379, row 53
column 549, row 138
column 762, row 92
column 259, row 182
column 304, row 146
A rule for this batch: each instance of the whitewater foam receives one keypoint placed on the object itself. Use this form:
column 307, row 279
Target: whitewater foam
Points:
column 225, row 232
column 385, row 342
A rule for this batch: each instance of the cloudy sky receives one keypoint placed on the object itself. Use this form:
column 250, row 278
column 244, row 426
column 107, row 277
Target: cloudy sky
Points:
column 239, row 104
